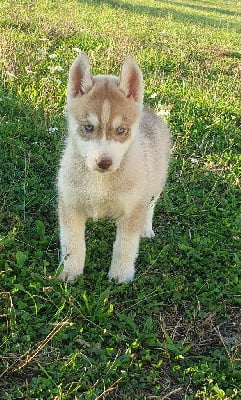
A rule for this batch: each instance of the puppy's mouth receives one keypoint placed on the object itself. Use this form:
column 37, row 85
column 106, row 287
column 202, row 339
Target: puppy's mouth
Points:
column 102, row 171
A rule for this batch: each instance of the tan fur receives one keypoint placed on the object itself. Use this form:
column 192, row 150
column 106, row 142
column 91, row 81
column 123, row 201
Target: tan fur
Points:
column 117, row 170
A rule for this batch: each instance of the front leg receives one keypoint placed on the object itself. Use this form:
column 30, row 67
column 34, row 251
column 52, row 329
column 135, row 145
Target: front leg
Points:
column 72, row 240
column 126, row 247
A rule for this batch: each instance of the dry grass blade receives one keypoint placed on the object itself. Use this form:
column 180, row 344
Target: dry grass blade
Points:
column 110, row 389
column 175, row 391
column 27, row 358
column 168, row 395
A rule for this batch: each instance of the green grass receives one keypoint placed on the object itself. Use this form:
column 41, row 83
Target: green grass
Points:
column 175, row 332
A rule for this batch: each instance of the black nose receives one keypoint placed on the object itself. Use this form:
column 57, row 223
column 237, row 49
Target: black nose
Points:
column 105, row 163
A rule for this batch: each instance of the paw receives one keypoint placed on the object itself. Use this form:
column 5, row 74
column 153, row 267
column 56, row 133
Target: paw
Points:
column 69, row 276
column 148, row 233
column 121, row 275
column 69, row 273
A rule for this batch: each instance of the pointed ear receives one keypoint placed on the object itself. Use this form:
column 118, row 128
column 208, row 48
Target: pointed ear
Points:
column 131, row 81
column 80, row 77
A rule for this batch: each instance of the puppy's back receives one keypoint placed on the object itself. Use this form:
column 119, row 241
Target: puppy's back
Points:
column 154, row 136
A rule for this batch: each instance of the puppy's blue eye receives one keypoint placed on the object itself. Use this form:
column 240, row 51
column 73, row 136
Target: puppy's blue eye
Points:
column 120, row 130
column 89, row 128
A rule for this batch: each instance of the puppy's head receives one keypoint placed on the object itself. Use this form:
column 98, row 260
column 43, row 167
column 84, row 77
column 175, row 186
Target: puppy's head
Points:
column 104, row 112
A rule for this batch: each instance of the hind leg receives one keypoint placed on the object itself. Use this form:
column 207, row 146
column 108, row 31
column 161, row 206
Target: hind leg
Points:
column 147, row 231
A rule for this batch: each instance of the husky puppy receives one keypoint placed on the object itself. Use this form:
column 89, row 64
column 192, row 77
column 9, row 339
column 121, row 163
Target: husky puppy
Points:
column 114, row 165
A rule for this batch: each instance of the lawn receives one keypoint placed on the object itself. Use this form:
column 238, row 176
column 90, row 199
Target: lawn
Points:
column 175, row 332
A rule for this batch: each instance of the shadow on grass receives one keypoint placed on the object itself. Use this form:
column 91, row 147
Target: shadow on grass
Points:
column 28, row 164
column 207, row 8
column 179, row 15
column 28, row 148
